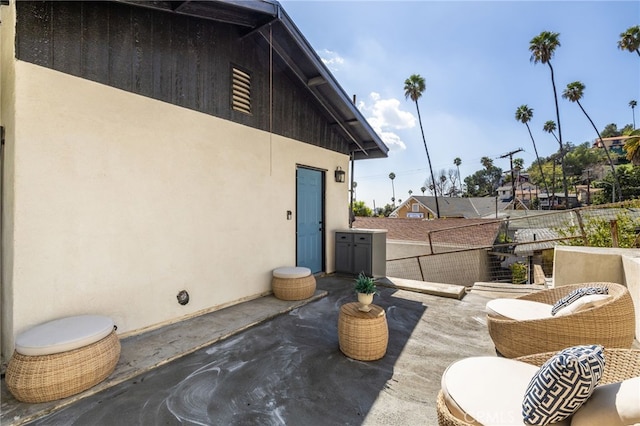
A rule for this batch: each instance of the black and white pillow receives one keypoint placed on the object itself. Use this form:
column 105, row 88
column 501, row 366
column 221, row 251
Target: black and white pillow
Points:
column 575, row 295
column 563, row 384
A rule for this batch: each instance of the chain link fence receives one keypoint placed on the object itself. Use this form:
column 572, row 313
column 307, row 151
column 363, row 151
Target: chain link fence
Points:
column 523, row 244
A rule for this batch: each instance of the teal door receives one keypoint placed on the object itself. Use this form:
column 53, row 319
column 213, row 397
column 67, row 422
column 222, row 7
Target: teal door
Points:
column 309, row 217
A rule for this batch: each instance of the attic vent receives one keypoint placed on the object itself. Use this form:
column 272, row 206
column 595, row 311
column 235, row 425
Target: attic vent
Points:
column 241, row 94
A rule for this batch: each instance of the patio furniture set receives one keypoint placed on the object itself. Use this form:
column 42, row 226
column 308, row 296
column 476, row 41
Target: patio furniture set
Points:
column 565, row 357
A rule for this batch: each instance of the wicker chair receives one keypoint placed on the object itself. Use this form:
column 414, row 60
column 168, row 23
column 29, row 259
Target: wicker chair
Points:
column 620, row 364
column 611, row 325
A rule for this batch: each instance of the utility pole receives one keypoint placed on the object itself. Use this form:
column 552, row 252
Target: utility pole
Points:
column 513, row 182
column 588, row 186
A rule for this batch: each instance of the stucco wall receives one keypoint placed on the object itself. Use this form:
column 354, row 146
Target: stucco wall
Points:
column 122, row 201
column 574, row 265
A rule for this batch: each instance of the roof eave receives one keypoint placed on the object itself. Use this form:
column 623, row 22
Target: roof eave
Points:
column 257, row 16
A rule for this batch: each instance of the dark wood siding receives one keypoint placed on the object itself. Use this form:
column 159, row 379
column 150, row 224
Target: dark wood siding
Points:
column 185, row 61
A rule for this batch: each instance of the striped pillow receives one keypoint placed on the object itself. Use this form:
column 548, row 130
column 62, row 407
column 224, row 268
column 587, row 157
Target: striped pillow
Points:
column 575, row 295
column 563, row 384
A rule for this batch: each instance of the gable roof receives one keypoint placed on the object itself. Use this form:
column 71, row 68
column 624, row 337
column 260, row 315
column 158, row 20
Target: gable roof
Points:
column 267, row 19
column 459, row 207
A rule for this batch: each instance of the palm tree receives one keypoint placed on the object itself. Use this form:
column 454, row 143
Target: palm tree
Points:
column 632, row 147
column 630, row 40
column 423, row 189
column 574, row 92
column 392, row 176
column 542, row 48
column 457, row 161
column 410, row 192
column 633, row 104
column 524, row 115
column 414, row 86
column 550, row 127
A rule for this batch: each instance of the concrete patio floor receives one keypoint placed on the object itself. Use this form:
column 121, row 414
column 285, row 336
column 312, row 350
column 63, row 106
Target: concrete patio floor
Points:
column 272, row 362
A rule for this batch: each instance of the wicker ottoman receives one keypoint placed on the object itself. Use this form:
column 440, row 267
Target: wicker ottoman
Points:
column 362, row 335
column 61, row 358
column 293, row 283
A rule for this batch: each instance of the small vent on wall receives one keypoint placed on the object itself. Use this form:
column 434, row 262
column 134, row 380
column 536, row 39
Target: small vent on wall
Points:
column 241, row 93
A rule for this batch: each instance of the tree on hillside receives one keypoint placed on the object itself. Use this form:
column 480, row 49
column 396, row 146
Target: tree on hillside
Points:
column 574, row 92
column 632, row 147
column 414, row 87
column 392, row 176
column 581, row 157
column 610, row 131
column 361, row 209
column 524, row 115
column 542, row 48
column 630, row 40
column 386, row 210
column 484, row 182
column 633, row 103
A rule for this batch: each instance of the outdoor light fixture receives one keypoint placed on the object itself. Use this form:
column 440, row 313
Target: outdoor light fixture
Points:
column 340, row 174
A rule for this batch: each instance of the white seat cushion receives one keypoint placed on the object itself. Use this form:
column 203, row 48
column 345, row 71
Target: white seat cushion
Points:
column 517, row 309
column 63, row 335
column 487, row 389
column 615, row 404
column 292, row 272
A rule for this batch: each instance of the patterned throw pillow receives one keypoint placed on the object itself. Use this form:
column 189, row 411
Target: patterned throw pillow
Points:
column 563, row 384
column 575, row 295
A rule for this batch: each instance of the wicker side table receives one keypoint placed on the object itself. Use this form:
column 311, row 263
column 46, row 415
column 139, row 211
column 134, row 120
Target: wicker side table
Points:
column 363, row 335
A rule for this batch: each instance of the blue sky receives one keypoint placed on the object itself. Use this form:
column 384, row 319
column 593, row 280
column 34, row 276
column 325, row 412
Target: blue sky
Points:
column 474, row 56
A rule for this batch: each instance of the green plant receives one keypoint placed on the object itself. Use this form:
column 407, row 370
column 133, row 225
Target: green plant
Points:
column 518, row 273
column 365, row 284
column 598, row 231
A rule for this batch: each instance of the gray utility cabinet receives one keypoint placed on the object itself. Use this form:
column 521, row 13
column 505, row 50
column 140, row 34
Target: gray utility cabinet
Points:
column 362, row 250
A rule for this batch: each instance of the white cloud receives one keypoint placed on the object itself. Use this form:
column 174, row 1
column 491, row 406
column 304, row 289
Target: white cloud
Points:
column 385, row 115
column 331, row 59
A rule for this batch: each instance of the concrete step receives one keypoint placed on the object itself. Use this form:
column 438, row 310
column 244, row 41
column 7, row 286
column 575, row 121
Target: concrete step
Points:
column 452, row 291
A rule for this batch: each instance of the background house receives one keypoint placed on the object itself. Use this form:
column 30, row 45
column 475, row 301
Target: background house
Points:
column 130, row 128
column 424, row 207
column 614, row 144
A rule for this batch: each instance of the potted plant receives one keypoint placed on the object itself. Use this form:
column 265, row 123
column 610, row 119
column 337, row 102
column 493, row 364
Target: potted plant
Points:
column 365, row 287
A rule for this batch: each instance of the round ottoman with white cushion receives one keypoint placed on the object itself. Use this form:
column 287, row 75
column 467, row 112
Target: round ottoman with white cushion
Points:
column 293, row 283
column 62, row 357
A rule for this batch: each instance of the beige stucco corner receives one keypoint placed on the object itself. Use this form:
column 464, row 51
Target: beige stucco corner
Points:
column 591, row 264
column 115, row 202
column 7, row 120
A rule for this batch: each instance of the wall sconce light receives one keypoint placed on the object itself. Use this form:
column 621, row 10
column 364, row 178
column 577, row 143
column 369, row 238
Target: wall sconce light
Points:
column 340, row 174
